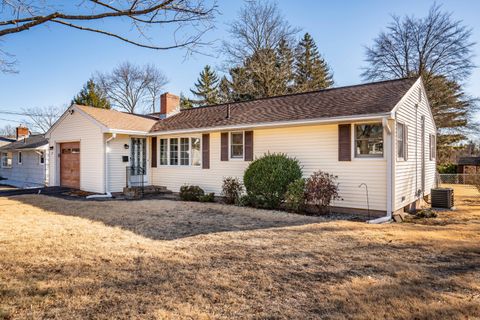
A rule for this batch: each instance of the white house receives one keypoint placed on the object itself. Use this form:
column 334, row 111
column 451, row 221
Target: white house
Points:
column 24, row 162
column 381, row 135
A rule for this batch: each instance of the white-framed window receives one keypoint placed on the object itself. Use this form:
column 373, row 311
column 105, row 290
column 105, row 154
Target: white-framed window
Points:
column 163, row 152
column 7, row 159
column 368, row 140
column 400, row 141
column 183, row 151
column 237, row 145
column 41, row 157
column 19, row 160
column 433, row 147
column 173, row 151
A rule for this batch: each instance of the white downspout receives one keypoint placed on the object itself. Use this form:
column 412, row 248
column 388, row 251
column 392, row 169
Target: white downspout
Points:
column 389, row 151
column 107, row 193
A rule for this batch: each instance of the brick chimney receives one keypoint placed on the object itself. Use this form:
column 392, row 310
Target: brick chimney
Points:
column 169, row 103
column 22, row 132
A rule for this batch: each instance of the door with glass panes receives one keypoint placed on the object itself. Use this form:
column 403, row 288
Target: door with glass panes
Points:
column 138, row 161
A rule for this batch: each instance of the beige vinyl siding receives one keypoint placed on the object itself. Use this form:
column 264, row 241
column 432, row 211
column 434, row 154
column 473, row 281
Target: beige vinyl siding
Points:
column 316, row 147
column 406, row 180
column 116, row 167
column 117, row 175
column 76, row 127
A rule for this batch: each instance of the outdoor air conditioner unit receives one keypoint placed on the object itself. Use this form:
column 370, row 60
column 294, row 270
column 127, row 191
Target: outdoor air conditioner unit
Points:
column 442, row 198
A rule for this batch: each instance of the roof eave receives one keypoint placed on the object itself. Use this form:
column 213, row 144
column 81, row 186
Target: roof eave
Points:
column 366, row 117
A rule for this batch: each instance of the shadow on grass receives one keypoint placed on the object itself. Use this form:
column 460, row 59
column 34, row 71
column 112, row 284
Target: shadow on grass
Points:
column 166, row 219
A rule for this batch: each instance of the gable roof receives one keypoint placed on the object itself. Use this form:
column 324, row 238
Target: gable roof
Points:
column 114, row 119
column 32, row 142
column 364, row 99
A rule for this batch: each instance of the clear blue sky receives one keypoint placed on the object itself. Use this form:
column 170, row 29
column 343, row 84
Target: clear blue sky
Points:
column 54, row 62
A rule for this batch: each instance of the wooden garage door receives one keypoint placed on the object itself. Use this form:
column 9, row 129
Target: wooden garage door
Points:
column 70, row 165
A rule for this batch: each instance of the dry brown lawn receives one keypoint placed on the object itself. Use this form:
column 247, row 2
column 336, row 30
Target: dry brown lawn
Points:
column 159, row 259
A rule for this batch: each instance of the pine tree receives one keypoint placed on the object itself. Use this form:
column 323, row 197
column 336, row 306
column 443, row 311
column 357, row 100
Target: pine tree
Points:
column 224, row 91
column 241, row 85
column 91, row 95
column 285, row 61
column 451, row 109
column 263, row 74
column 185, row 103
column 311, row 70
column 206, row 88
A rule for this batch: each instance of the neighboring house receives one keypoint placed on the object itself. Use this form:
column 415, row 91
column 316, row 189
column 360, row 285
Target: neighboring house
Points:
column 468, row 165
column 381, row 134
column 5, row 141
column 24, row 162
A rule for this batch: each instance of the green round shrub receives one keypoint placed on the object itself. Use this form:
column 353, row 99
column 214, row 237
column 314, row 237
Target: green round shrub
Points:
column 267, row 178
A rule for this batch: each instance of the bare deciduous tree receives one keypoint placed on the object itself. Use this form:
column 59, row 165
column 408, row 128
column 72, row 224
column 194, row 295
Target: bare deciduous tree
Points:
column 132, row 88
column 259, row 26
column 439, row 49
column 189, row 19
column 41, row 119
column 434, row 45
column 8, row 131
column 157, row 81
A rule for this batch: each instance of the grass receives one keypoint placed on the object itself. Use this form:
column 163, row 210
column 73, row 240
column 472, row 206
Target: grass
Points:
column 158, row 259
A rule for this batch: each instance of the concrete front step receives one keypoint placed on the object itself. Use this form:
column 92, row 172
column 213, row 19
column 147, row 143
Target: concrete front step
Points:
column 136, row 192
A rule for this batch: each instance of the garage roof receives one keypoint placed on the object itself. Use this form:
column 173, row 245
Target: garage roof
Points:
column 118, row 120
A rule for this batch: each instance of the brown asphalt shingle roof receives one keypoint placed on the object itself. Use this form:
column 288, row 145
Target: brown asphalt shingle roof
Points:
column 114, row 119
column 371, row 98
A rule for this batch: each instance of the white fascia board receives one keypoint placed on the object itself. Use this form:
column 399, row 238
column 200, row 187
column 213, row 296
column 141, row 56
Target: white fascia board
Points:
column 127, row 132
column 405, row 97
column 278, row 124
column 67, row 112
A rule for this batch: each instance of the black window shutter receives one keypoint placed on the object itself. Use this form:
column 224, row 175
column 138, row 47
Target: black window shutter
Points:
column 206, row 151
column 154, row 152
column 224, row 146
column 344, row 142
column 248, row 145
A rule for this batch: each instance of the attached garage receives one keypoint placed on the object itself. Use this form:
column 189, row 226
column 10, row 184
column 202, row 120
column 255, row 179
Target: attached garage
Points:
column 70, row 165
column 91, row 148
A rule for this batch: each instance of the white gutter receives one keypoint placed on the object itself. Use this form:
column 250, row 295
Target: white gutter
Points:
column 107, row 193
column 276, row 124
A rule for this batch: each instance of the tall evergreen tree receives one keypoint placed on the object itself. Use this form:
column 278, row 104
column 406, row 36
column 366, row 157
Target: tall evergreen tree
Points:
column 241, row 86
column 263, row 74
column 206, row 87
column 91, row 95
column 185, row 103
column 224, row 91
column 285, row 63
column 311, row 70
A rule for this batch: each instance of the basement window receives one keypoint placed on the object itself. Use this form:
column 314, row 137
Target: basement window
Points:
column 369, row 140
